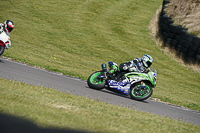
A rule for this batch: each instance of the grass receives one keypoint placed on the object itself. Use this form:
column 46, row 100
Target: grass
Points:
column 76, row 37
column 50, row 108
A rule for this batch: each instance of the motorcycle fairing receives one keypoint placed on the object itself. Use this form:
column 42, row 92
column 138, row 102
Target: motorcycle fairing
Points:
column 122, row 86
column 5, row 40
column 136, row 77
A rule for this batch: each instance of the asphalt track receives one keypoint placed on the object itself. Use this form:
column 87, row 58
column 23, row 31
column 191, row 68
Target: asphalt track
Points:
column 39, row 77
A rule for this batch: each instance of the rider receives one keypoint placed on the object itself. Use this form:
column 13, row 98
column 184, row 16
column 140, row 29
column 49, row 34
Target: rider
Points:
column 7, row 27
column 137, row 65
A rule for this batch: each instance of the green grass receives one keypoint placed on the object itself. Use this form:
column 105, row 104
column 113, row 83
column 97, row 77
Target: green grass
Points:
column 50, row 108
column 75, row 37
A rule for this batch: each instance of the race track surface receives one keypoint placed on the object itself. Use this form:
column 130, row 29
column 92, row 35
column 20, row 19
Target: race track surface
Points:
column 39, row 77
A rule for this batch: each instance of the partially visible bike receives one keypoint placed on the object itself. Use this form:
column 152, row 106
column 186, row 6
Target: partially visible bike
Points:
column 4, row 42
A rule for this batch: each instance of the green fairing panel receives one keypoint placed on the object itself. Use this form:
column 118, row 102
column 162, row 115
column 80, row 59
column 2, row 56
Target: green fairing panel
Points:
column 145, row 76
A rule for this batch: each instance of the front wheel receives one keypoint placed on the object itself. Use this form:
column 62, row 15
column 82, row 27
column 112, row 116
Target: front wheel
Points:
column 1, row 49
column 94, row 82
column 140, row 93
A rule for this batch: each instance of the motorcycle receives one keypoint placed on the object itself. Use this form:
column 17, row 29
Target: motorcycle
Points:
column 134, row 84
column 4, row 42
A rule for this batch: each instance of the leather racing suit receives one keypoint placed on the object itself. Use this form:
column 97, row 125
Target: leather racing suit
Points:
column 135, row 65
column 4, row 37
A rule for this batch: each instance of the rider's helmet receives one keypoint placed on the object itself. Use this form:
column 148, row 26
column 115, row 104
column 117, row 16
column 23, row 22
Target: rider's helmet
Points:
column 8, row 25
column 147, row 60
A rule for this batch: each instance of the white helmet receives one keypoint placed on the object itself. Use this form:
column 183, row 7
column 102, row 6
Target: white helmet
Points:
column 147, row 60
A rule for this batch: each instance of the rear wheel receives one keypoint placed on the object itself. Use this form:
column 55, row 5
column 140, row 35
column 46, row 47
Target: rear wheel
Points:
column 1, row 49
column 94, row 82
column 141, row 93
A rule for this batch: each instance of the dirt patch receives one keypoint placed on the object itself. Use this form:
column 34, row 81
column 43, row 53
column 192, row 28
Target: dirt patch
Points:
column 185, row 13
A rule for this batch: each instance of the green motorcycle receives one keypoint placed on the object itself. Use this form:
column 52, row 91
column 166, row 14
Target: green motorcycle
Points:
column 137, row 85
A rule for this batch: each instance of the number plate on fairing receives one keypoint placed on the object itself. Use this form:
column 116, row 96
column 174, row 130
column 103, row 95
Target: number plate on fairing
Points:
column 122, row 86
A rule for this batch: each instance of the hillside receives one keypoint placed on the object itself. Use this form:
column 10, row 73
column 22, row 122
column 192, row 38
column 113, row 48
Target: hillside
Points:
column 76, row 37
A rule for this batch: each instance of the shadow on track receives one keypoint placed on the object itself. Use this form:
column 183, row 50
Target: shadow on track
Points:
column 13, row 124
column 117, row 93
column 1, row 61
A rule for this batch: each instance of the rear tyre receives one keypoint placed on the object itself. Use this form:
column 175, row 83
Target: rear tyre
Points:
column 94, row 82
column 1, row 49
column 141, row 93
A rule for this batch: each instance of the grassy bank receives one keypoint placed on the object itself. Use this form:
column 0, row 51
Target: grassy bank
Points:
column 75, row 37
column 49, row 108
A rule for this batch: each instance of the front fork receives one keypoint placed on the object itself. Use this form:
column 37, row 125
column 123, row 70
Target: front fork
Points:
column 141, row 86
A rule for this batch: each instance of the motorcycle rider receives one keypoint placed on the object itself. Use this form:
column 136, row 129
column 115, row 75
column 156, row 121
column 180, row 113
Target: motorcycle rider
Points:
column 6, row 28
column 137, row 65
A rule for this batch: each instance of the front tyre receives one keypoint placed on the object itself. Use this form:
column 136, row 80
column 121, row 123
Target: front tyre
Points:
column 94, row 82
column 1, row 49
column 137, row 92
